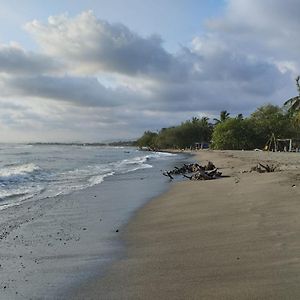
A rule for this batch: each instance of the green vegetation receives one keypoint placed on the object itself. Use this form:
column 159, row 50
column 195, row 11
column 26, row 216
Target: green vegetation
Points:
column 270, row 119
column 232, row 132
column 235, row 134
column 224, row 115
column 149, row 139
column 182, row 136
column 228, row 132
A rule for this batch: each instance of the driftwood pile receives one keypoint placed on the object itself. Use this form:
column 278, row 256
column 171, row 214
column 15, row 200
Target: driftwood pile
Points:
column 198, row 172
column 260, row 168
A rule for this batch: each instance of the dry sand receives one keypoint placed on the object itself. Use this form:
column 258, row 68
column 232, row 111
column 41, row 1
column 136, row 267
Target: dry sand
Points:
column 233, row 238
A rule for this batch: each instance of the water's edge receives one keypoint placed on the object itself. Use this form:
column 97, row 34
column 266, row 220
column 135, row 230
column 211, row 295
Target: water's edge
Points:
column 51, row 246
column 119, row 239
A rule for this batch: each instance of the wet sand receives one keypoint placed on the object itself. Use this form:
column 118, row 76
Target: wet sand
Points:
column 232, row 238
column 49, row 246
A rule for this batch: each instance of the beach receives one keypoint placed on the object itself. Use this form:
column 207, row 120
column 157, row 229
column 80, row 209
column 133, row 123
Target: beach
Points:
column 232, row 238
column 62, row 210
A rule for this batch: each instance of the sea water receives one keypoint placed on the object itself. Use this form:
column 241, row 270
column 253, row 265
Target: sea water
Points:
column 62, row 208
column 40, row 171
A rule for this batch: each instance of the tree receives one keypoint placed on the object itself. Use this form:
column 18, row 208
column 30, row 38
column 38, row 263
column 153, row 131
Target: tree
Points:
column 293, row 105
column 240, row 116
column 184, row 135
column 269, row 119
column 168, row 138
column 148, row 139
column 234, row 134
column 224, row 115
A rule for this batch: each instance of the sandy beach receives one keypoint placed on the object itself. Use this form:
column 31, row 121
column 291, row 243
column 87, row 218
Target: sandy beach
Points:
column 231, row 238
column 50, row 245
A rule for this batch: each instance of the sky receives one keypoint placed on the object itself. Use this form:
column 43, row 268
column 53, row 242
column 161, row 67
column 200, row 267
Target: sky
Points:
column 107, row 70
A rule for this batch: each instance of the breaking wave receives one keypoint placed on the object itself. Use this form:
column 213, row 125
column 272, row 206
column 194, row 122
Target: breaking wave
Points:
column 49, row 173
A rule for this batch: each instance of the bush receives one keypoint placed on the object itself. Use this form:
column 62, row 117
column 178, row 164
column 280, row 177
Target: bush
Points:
column 235, row 134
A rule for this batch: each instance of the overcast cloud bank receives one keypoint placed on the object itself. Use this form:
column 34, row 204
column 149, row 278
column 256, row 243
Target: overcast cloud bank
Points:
column 93, row 80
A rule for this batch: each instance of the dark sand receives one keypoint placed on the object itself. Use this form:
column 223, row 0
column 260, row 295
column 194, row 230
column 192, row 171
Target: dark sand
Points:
column 232, row 238
column 50, row 246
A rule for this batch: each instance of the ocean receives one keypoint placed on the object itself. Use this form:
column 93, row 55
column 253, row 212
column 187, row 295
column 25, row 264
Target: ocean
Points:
column 62, row 208
column 40, row 171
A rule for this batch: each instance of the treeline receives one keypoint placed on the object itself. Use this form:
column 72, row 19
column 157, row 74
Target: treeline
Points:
column 182, row 136
column 228, row 132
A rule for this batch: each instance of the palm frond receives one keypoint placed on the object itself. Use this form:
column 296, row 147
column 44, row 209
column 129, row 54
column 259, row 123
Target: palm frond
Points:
column 292, row 103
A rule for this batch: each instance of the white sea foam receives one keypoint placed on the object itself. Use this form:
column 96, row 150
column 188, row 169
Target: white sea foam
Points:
column 22, row 192
column 95, row 174
column 23, row 178
column 99, row 178
column 17, row 172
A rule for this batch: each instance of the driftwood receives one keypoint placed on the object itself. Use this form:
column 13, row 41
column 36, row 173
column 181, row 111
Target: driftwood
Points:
column 260, row 168
column 190, row 168
column 199, row 172
column 168, row 174
column 205, row 175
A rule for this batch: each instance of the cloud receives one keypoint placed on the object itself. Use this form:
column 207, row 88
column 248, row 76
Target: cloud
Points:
column 82, row 91
column 102, row 79
column 268, row 28
column 93, row 45
column 15, row 60
column 192, row 79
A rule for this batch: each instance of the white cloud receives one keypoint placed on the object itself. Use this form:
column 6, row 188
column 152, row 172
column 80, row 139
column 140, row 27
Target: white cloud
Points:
column 247, row 57
column 268, row 28
column 92, row 45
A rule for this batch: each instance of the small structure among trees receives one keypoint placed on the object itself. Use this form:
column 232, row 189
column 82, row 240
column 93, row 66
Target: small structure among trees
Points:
column 282, row 145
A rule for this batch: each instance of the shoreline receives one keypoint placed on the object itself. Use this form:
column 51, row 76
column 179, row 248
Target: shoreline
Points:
column 231, row 238
column 51, row 245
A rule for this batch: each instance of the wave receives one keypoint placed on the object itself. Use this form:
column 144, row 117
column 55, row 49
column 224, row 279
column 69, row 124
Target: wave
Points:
column 17, row 172
column 21, row 192
column 132, row 164
column 95, row 174
column 19, row 182
column 99, row 178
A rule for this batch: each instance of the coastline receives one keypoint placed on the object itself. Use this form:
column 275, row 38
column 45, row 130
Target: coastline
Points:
column 50, row 245
column 231, row 238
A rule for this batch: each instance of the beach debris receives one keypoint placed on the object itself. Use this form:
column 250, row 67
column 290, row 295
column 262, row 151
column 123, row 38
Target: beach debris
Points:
column 205, row 175
column 190, row 168
column 168, row 173
column 206, row 172
column 260, row 168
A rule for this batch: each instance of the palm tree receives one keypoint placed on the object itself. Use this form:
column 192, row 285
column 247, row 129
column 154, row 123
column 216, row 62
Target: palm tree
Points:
column 195, row 120
column 293, row 105
column 240, row 117
column 224, row 115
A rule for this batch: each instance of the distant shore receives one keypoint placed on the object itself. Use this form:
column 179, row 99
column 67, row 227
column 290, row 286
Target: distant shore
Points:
column 231, row 238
